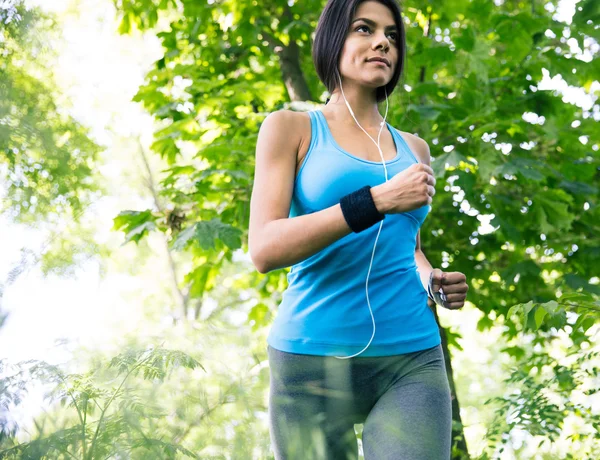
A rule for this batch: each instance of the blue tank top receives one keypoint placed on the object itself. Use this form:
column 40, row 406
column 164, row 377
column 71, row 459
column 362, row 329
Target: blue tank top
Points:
column 324, row 309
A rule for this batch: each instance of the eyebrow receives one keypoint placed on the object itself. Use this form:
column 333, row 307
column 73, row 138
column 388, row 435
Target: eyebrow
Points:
column 373, row 23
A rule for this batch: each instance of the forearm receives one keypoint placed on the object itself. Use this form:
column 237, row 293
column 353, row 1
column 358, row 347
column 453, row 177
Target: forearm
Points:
column 292, row 240
column 424, row 267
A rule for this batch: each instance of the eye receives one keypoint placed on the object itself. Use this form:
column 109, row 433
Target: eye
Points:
column 367, row 27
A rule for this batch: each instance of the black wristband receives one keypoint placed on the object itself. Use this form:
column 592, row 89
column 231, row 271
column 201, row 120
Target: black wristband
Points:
column 359, row 209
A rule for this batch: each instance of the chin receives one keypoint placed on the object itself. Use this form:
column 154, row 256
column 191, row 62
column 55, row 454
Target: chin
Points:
column 376, row 83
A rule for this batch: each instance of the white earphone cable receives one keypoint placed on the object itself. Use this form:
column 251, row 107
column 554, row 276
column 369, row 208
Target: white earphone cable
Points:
column 382, row 124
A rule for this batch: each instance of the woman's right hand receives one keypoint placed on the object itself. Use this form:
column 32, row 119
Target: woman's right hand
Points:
column 410, row 189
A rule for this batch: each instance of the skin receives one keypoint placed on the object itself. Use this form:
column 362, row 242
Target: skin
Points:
column 360, row 80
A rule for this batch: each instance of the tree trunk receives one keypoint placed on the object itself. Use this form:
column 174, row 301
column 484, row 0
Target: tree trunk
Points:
column 292, row 75
column 289, row 61
column 457, row 426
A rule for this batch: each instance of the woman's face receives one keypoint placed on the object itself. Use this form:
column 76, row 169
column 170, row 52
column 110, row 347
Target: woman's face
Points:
column 372, row 33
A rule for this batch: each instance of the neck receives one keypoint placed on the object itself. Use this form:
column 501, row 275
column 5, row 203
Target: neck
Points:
column 363, row 103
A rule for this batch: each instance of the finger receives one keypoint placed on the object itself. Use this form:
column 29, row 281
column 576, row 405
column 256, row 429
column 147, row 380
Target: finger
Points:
column 427, row 168
column 455, row 288
column 455, row 277
column 449, row 278
column 452, row 280
column 455, row 305
column 452, row 297
column 435, row 278
column 436, row 285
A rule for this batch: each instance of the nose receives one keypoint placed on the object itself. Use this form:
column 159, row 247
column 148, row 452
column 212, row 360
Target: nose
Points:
column 381, row 41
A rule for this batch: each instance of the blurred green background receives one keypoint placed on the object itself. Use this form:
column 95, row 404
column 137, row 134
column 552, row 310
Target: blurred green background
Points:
column 132, row 321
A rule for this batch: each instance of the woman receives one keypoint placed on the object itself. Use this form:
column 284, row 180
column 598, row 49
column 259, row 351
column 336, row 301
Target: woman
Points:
column 354, row 341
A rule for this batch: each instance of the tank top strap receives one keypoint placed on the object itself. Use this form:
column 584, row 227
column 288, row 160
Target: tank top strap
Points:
column 403, row 145
column 319, row 137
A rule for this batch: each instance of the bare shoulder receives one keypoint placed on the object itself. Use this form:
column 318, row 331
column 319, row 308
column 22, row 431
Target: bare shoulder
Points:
column 419, row 147
column 296, row 125
column 299, row 129
column 284, row 118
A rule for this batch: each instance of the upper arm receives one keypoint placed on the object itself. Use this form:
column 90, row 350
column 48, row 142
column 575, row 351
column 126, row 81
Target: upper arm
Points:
column 275, row 166
column 421, row 150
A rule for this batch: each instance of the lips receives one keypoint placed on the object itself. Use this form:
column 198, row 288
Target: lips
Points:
column 380, row 59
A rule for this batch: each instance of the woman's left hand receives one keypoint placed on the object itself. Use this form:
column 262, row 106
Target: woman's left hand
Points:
column 453, row 285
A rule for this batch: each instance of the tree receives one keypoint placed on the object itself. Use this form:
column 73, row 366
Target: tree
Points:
column 47, row 159
column 504, row 150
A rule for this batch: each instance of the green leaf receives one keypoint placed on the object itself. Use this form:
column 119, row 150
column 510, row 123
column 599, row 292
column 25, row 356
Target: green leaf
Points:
column 539, row 316
column 183, row 238
column 198, row 279
column 551, row 207
column 259, row 314
column 514, row 351
column 452, row 337
column 445, row 161
column 466, row 40
column 578, row 188
column 166, row 147
column 135, row 224
column 522, row 310
column 125, row 24
column 551, row 306
column 205, row 234
column 520, row 166
column 484, row 323
column 486, row 167
column 428, row 112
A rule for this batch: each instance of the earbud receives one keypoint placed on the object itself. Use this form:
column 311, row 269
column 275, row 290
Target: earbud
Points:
column 381, row 222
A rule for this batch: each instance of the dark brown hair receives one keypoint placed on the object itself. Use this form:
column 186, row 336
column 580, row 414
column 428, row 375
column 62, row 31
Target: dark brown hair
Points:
column 330, row 36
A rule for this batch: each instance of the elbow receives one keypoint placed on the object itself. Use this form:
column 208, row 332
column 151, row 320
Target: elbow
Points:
column 259, row 253
column 258, row 263
column 262, row 269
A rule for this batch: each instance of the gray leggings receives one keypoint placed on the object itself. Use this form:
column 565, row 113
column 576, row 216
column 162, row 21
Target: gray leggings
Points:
column 402, row 400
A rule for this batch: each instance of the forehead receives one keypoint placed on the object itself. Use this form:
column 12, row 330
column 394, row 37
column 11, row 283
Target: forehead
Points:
column 376, row 11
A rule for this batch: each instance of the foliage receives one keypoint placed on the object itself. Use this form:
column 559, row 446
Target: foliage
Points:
column 540, row 398
column 47, row 160
column 121, row 411
column 503, row 150
column 538, row 187
column 46, row 156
